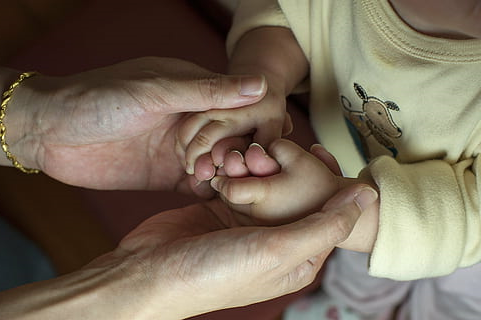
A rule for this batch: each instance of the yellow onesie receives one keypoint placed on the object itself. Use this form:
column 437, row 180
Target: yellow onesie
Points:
column 414, row 104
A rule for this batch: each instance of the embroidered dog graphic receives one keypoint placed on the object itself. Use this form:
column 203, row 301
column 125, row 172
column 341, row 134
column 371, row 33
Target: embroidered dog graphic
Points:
column 375, row 118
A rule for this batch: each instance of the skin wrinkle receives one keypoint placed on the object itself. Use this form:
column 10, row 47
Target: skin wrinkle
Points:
column 104, row 119
column 212, row 91
column 32, row 142
column 149, row 154
column 152, row 154
column 203, row 118
column 202, row 139
column 230, row 220
column 274, row 259
column 147, row 89
column 261, row 194
column 305, row 274
column 180, row 273
column 77, row 110
column 41, row 119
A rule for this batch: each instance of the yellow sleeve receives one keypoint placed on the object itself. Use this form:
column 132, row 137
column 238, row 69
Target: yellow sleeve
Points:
column 429, row 218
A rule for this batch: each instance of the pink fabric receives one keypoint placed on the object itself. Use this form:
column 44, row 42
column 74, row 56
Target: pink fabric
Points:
column 456, row 296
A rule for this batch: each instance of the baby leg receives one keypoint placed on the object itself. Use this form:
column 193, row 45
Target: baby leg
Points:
column 456, row 296
column 347, row 281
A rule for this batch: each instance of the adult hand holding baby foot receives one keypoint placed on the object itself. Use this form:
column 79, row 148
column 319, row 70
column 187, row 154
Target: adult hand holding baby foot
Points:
column 281, row 192
column 290, row 183
column 257, row 162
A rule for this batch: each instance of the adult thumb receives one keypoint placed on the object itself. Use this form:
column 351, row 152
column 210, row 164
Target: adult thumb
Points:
column 217, row 91
column 333, row 224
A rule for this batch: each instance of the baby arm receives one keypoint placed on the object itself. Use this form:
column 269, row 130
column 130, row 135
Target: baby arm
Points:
column 302, row 184
column 273, row 52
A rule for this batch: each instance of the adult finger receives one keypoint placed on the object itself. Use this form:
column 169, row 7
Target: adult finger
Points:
column 321, row 231
column 216, row 91
column 300, row 248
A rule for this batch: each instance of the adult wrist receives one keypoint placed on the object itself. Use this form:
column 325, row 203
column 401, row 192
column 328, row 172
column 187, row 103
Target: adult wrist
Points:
column 18, row 121
column 142, row 287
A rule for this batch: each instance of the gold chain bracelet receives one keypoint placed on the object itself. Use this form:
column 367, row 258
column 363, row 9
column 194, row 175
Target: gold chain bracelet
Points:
column 7, row 95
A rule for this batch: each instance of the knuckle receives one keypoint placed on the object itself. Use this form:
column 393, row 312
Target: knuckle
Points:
column 214, row 131
column 211, row 90
column 298, row 279
column 341, row 227
column 229, row 191
column 202, row 140
column 273, row 121
column 265, row 188
column 277, row 247
column 307, row 277
column 184, row 132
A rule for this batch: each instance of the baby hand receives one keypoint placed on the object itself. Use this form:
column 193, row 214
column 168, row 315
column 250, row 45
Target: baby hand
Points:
column 263, row 122
column 305, row 182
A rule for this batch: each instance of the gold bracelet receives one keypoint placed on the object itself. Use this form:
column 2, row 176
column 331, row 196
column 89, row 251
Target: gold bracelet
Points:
column 3, row 108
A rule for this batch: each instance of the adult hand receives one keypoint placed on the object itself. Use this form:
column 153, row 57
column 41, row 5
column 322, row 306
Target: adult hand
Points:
column 193, row 260
column 269, row 198
column 115, row 127
column 211, row 258
column 265, row 198
column 263, row 122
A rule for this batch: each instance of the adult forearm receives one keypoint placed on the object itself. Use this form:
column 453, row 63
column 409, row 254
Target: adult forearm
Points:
column 272, row 51
column 109, row 289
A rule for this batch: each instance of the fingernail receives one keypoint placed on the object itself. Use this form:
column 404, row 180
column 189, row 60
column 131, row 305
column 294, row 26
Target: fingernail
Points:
column 252, row 86
column 189, row 169
column 365, row 198
column 255, row 144
column 215, row 183
column 212, row 175
column 239, row 154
